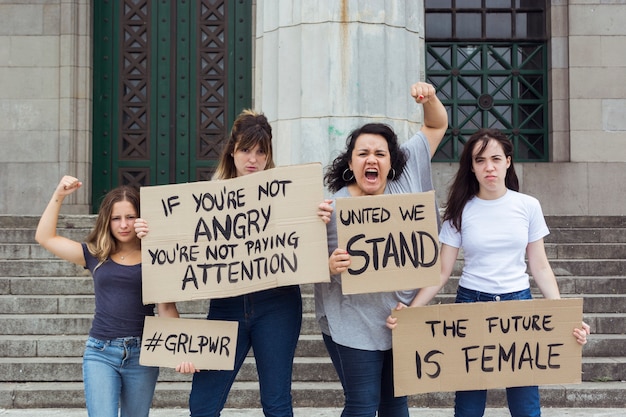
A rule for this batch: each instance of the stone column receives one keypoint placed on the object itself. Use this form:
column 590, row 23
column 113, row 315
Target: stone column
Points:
column 323, row 68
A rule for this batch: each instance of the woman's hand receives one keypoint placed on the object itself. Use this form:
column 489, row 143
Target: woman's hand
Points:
column 423, row 92
column 392, row 322
column 141, row 227
column 67, row 185
column 339, row 261
column 325, row 210
column 186, row 368
column 581, row 334
column 435, row 115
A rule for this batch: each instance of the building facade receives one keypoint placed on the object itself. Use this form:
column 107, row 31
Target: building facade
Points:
column 137, row 92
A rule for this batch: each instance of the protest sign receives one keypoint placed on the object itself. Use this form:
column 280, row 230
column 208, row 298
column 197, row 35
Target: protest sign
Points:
column 473, row 346
column 215, row 239
column 208, row 344
column 392, row 240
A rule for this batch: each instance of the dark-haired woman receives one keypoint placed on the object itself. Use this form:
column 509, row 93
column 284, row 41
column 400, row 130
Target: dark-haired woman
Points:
column 497, row 227
column 113, row 378
column 353, row 326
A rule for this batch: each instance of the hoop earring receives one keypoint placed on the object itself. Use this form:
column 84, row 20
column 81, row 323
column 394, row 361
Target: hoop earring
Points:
column 393, row 177
column 343, row 175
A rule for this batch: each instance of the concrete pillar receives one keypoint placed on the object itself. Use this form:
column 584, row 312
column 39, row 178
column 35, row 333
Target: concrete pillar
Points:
column 324, row 67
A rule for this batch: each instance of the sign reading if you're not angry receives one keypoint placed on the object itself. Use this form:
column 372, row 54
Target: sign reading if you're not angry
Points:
column 392, row 241
column 215, row 239
column 474, row 346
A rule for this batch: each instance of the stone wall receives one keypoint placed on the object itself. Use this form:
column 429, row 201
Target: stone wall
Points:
column 45, row 102
column 319, row 72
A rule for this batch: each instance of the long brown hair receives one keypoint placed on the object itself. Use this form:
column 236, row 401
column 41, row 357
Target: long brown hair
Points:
column 249, row 129
column 100, row 241
column 465, row 184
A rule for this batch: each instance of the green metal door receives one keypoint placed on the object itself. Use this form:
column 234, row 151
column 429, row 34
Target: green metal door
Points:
column 169, row 78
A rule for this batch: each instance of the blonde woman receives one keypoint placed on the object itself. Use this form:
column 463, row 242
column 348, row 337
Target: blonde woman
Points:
column 114, row 381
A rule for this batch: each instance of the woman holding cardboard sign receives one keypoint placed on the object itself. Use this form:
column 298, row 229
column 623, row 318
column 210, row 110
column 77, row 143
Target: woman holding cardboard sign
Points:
column 112, row 375
column 497, row 227
column 269, row 320
column 353, row 326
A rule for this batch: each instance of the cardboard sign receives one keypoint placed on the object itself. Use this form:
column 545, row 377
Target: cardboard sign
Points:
column 472, row 346
column 215, row 239
column 209, row 344
column 393, row 242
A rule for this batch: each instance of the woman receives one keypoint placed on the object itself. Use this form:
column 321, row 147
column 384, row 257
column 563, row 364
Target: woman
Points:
column 497, row 227
column 353, row 326
column 269, row 320
column 112, row 375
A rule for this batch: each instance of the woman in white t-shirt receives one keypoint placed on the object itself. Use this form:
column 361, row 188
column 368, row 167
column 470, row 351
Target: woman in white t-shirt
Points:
column 497, row 228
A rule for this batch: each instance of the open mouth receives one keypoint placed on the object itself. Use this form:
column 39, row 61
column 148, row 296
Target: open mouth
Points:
column 371, row 174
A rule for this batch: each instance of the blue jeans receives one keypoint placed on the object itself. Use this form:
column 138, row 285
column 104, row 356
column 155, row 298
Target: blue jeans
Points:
column 114, row 379
column 269, row 323
column 522, row 401
column 367, row 380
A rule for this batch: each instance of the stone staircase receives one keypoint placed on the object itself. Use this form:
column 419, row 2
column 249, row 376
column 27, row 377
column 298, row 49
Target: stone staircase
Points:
column 46, row 307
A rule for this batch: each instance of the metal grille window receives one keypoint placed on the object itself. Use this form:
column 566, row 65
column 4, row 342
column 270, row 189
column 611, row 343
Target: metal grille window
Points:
column 488, row 61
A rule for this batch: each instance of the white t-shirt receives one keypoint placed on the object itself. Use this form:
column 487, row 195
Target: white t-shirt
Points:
column 494, row 236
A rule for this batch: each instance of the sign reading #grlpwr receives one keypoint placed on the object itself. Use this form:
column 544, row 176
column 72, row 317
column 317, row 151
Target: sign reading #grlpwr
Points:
column 208, row 344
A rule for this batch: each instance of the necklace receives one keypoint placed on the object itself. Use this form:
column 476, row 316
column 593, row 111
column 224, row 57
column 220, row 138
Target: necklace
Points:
column 122, row 257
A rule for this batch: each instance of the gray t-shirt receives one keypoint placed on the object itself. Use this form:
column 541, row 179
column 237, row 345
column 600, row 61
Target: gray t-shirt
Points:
column 358, row 321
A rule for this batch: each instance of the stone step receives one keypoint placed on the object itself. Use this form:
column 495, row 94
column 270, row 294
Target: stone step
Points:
column 57, row 267
column 574, row 267
column 86, row 221
column 597, row 251
column 83, row 285
column 50, row 369
column 586, row 235
column 585, row 285
column 43, row 268
column 46, row 324
column 309, row 345
column 30, row 346
column 305, row 369
column 85, row 304
column 305, row 394
column 587, row 267
column 13, row 251
column 79, row 324
column 66, row 221
column 27, row 236
column 594, row 251
column 568, row 222
column 53, row 285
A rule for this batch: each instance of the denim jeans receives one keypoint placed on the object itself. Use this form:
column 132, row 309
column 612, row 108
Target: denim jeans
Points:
column 367, row 380
column 522, row 401
column 269, row 323
column 114, row 379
